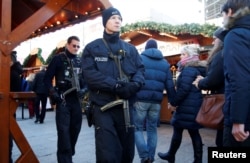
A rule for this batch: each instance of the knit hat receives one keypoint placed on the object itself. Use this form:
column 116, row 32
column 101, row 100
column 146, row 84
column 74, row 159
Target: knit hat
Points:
column 106, row 14
column 151, row 44
column 220, row 33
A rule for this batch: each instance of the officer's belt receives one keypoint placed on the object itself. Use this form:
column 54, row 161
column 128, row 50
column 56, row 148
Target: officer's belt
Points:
column 104, row 93
column 65, row 93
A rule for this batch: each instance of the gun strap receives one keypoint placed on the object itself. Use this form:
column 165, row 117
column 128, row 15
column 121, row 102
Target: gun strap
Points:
column 72, row 71
column 117, row 59
column 65, row 57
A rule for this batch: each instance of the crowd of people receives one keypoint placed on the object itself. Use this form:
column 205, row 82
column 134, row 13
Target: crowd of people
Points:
column 126, row 88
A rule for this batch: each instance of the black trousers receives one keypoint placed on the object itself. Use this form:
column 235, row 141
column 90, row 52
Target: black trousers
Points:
column 68, row 123
column 194, row 135
column 113, row 143
column 40, row 115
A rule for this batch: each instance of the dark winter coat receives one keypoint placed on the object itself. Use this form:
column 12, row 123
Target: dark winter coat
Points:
column 214, row 80
column 101, row 72
column 38, row 85
column 157, row 77
column 236, row 53
column 188, row 98
column 15, row 77
column 58, row 69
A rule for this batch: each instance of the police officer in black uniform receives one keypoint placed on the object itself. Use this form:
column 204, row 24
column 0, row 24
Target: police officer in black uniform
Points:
column 66, row 98
column 114, row 142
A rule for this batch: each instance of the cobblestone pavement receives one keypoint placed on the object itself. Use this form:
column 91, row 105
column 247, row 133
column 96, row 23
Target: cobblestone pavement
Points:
column 42, row 139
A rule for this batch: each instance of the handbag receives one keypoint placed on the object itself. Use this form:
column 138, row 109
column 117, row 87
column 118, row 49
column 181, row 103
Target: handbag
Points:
column 210, row 114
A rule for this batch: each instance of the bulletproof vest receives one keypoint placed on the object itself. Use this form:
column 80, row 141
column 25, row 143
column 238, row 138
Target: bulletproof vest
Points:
column 64, row 78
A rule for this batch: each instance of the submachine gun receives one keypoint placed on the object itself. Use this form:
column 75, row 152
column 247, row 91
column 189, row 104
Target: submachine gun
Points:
column 124, row 78
column 82, row 94
column 74, row 80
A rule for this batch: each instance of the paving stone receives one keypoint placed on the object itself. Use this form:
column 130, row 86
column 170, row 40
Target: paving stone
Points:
column 43, row 139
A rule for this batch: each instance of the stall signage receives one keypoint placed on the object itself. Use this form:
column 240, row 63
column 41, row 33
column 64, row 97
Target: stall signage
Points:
column 169, row 48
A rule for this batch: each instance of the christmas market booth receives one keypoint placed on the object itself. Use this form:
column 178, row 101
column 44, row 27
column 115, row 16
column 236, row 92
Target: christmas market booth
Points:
column 33, row 61
column 170, row 38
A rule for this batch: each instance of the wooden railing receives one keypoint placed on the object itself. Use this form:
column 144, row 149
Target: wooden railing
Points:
column 27, row 154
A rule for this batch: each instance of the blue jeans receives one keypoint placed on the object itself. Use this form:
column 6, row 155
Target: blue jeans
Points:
column 150, row 113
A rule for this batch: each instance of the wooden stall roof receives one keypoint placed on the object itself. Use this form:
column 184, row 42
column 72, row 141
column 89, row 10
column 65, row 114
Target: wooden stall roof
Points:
column 139, row 32
column 74, row 12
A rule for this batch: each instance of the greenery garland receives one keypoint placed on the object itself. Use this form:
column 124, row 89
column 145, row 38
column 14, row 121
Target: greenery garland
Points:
column 51, row 55
column 206, row 29
column 26, row 60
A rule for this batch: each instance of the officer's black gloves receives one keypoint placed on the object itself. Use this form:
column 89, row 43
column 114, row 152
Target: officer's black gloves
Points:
column 82, row 93
column 121, row 90
column 55, row 97
column 134, row 87
column 126, row 89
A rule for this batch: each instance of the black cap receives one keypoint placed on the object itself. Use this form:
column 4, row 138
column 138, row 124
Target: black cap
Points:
column 106, row 14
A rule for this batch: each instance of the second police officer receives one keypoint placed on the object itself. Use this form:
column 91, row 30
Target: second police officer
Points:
column 66, row 98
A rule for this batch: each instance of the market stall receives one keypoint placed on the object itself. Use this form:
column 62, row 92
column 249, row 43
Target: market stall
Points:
column 170, row 38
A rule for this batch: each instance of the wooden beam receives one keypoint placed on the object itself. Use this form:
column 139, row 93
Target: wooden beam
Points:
column 6, row 16
column 9, row 40
column 5, row 23
column 4, row 87
column 23, row 31
column 4, row 102
column 106, row 3
column 27, row 154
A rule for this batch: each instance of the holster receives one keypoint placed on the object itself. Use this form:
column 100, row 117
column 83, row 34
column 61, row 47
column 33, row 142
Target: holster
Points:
column 52, row 101
column 88, row 110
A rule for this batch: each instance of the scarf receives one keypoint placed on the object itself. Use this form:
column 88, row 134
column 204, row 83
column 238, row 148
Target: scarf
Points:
column 181, row 64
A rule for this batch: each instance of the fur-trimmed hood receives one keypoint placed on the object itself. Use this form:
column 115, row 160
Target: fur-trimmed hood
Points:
column 199, row 63
column 201, row 66
column 236, row 17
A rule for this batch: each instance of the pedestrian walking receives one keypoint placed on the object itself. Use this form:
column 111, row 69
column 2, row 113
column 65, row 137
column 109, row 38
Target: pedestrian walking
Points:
column 236, row 15
column 66, row 67
column 158, row 78
column 186, row 104
column 42, row 93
